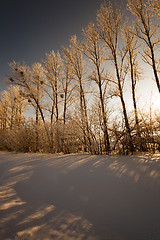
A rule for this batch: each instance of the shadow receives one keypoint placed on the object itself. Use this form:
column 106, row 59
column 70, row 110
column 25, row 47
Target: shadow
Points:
column 80, row 197
column 35, row 219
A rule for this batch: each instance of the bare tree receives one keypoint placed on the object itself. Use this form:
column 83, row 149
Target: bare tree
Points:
column 131, row 45
column 67, row 97
column 37, row 81
column 155, row 5
column 4, row 110
column 109, row 23
column 94, row 52
column 67, row 85
column 31, row 82
column 53, row 67
column 147, row 32
column 75, row 57
column 12, row 107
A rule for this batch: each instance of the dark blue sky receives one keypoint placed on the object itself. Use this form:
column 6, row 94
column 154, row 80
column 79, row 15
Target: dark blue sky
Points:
column 29, row 29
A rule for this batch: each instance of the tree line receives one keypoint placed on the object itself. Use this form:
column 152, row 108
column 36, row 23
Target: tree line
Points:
column 70, row 90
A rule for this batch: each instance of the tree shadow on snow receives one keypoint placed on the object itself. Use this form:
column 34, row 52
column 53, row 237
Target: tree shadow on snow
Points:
column 80, row 197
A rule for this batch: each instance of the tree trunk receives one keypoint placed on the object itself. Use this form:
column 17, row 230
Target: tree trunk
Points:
column 134, row 101
column 37, row 130
column 105, row 130
column 124, row 107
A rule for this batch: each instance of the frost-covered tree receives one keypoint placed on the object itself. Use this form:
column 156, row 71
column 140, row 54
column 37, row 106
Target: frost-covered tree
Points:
column 67, row 84
column 95, row 53
column 131, row 45
column 147, row 32
column 12, row 107
column 75, row 57
column 31, row 80
column 109, row 24
column 155, row 6
column 4, row 111
column 54, row 90
column 53, row 68
column 38, row 76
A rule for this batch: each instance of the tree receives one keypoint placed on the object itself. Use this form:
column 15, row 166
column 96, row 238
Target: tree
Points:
column 4, row 110
column 53, row 68
column 109, row 24
column 94, row 53
column 59, row 90
column 75, row 57
column 67, row 86
column 131, row 45
column 30, row 81
column 37, row 80
column 147, row 32
column 155, row 5
column 12, row 107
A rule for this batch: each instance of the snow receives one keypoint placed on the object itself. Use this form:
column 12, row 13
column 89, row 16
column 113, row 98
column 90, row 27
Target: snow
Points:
column 79, row 197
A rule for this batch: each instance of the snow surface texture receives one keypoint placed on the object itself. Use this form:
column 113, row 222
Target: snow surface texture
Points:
column 79, row 197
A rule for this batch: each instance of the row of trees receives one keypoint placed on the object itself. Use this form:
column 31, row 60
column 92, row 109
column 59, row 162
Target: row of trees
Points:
column 71, row 91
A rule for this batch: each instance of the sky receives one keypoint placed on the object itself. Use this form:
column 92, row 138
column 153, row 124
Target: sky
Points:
column 29, row 29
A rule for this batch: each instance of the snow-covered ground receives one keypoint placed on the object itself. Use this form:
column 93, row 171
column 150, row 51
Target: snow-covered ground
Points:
column 79, row 197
